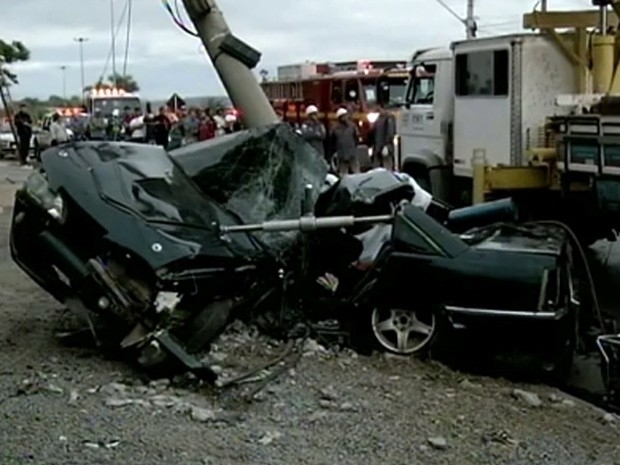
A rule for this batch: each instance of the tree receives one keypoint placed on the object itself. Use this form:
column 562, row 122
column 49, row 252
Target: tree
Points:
column 10, row 53
column 127, row 82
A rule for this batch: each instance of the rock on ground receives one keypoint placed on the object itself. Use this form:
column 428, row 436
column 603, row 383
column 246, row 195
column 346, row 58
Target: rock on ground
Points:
column 71, row 406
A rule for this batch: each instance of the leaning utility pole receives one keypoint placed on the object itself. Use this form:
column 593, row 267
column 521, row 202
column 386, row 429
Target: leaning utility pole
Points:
column 233, row 60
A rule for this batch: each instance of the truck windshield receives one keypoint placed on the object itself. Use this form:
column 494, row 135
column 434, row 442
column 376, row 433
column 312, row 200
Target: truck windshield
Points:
column 392, row 90
column 106, row 105
column 388, row 91
column 422, row 88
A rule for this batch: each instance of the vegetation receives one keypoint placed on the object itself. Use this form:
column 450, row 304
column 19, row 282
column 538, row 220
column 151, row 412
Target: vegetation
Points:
column 126, row 82
column 11, row 53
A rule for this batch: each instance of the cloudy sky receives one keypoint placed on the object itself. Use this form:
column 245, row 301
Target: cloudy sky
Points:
column 164, row 59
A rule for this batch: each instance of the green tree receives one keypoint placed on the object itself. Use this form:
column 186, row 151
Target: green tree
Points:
column 11, row 53
column 126, row 82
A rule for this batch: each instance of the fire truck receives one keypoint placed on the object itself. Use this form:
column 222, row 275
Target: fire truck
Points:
column 358, row 86
column 107, row 99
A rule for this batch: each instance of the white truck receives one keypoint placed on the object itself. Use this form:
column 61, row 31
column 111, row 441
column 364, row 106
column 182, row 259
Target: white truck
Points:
column 482, row 100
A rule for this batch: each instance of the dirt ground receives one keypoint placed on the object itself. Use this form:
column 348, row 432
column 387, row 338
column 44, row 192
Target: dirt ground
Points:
column 71, row 406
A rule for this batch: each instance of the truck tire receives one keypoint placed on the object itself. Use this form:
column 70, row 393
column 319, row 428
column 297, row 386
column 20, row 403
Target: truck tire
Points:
column 420, row 174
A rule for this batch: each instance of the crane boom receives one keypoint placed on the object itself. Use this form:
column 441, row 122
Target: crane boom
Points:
column 233, row 61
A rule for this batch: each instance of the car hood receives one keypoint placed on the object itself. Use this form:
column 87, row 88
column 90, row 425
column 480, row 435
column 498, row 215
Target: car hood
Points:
column 144, row 202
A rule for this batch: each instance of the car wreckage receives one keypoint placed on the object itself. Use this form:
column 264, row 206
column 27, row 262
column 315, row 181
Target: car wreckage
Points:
column 171, row 247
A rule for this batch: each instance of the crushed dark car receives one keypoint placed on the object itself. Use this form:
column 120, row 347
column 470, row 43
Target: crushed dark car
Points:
column 172, row 247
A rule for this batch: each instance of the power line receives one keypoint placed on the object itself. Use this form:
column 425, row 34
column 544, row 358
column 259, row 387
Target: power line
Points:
column 450, row 10
column 127, row 36
column 469, row 21
column 110, row 52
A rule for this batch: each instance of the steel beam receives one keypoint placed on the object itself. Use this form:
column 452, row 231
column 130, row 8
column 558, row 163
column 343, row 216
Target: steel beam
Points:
column 567, row 19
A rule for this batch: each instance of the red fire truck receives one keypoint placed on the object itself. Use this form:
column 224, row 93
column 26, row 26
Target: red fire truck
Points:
column 358, row 86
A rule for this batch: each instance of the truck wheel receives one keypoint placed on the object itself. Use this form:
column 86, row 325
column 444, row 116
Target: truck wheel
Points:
column 420, row 174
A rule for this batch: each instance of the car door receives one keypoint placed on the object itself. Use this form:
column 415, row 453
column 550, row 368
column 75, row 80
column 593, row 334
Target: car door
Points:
column 44, row 138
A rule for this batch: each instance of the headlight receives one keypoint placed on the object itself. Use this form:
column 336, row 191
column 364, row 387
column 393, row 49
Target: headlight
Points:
column 372, row 117
column 38, row 190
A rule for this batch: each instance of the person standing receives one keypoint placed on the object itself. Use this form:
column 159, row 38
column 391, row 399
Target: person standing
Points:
column 23, row 126
column 161, row 128
column 96, row 128
column 313, row 131
column 384, row 134
column 137, row 128
column 344, row 141
column 58, row 131
column 220, row 122
column 206, row 128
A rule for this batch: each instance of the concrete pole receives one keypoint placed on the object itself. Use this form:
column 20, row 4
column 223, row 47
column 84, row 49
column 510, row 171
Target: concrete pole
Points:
column 240, row 83
column 63, row 70
column 470, row 20
column 80, row 41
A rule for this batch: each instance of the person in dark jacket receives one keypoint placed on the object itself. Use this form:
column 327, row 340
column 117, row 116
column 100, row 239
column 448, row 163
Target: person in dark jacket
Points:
column 23, row 127
column 313, row 131
column 344, row 142
column 161, row 129
column 384, row 130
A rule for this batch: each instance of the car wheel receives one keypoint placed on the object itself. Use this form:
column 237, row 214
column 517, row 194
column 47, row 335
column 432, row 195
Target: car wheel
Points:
column 403, row 332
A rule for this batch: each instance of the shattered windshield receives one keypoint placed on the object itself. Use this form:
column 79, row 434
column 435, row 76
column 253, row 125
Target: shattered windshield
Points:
column 259, row 174
column 145, row 180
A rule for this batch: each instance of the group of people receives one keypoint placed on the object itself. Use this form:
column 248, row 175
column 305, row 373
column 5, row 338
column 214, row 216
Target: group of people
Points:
column 165, row 128
column 340, row 145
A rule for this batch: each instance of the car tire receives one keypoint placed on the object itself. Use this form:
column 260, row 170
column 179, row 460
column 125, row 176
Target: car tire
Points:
column 207, row 325
column 402, row 332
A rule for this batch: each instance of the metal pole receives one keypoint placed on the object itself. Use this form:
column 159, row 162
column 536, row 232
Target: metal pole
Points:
column 63, row 70
column 4, row 85
column 80, row 41
column 113, row 37
column 543, row 5
column 240, row 83
column 470, row 20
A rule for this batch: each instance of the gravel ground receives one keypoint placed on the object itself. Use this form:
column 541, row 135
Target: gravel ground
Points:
column 65, row 406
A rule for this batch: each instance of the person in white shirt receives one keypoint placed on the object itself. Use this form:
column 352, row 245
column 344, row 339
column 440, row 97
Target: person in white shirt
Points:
column 58, row 131
column 220, row 122
column 137, row 127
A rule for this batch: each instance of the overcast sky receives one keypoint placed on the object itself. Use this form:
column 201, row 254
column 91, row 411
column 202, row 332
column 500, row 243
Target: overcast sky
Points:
column 164, row 59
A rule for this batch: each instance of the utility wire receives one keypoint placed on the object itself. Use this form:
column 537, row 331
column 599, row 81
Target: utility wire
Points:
column 451, row 11
column 127, row 36
column 118, row 29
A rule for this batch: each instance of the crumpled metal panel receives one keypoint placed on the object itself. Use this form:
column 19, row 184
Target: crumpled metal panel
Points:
column 259, row 174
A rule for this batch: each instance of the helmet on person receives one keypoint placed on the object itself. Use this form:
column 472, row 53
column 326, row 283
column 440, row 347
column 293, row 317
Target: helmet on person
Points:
column 341, row 112
column 116, row 112
column 311, row 109
column 230, row 118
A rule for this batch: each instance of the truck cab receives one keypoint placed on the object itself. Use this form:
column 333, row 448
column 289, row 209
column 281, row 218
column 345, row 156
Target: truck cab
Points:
column 483, row 100
column 425, row 122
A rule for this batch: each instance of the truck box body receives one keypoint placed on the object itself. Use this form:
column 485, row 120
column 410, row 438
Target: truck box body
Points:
column 505, row 88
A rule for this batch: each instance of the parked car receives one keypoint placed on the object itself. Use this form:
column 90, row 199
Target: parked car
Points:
column 43, row 137
column 8, row 146
column 7, row 142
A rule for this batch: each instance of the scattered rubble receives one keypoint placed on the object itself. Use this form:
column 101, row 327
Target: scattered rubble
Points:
column 531, row 399
column 438, row 443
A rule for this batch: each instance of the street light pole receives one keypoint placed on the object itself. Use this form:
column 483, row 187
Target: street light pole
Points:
column 80, row 41
column 63, row 69
column 113, row 36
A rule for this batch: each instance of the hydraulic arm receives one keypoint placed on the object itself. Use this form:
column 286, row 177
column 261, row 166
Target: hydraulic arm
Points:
column 233, row 60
